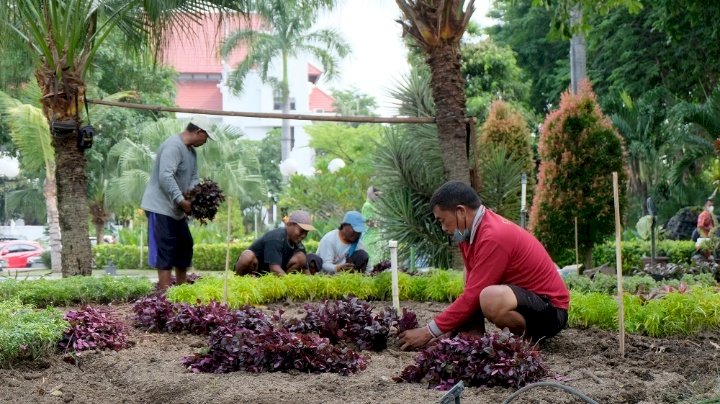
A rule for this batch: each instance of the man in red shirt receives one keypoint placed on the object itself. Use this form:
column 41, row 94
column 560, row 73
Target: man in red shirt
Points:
column 510, row 278
column 705, row 221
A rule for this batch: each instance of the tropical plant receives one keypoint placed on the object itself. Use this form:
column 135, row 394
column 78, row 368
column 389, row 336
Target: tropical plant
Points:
column 30, row 133
column 579, row 149
column 353, row 102
column 62, row 38
column 502, row 155
column 284, row 32
column 437, row 27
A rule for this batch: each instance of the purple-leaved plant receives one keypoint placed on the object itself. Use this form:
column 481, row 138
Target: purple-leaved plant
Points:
column 92, row 329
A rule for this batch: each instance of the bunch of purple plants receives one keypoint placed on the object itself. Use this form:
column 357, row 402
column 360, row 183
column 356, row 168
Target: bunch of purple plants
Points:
column 494, row 359
column 234, row 348
column 152, row 313
column 206, row 198
column 92, row 329
column 350, row 321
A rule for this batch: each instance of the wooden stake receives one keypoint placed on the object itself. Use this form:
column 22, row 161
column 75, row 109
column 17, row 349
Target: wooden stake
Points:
column 227, row 252
column 618, row 264
column 577, row 260
column 394, row 268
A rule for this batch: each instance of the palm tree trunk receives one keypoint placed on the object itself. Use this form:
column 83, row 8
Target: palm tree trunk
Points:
column 72, row 207
column 51, row 203
column 99, row 232
column 578, row 57
column 448, row 89
column 285, row 93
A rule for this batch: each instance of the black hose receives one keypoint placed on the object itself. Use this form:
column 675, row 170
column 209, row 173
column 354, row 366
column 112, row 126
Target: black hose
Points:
column 550, row 384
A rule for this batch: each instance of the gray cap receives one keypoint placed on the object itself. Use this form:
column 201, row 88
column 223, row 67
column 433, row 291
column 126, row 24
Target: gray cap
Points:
column 302, row 219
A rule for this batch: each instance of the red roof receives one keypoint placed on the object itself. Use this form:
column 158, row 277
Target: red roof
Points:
column 312, row 70
column 320, row 100
column 198, row 94
column 198, row 52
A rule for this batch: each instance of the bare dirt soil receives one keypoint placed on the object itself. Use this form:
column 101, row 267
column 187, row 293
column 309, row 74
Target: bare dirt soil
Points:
column 653, row 371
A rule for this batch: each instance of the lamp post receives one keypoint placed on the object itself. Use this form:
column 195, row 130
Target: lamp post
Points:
column 523, row 196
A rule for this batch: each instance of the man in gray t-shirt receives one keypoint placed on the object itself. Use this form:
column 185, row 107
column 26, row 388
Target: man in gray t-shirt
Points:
column 175, row 172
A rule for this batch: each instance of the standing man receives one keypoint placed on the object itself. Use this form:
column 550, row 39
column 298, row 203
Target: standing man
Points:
column 278, row 251
column 705, row 221
column 341, row 249
column 510, row 278
column 175, row 172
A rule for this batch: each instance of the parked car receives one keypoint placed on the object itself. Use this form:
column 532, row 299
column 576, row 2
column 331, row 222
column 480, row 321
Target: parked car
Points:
column 16, row 253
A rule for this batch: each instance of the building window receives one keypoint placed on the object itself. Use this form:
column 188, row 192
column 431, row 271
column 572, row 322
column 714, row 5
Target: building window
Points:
column 277, row 102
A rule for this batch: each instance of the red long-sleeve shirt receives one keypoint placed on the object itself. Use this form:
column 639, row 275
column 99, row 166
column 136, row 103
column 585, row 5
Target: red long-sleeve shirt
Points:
column 501, row 253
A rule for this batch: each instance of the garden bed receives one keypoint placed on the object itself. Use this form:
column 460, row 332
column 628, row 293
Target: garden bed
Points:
column 654, row 371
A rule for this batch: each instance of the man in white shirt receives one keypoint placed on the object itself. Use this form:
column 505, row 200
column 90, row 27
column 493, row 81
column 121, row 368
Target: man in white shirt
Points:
column 341, row 249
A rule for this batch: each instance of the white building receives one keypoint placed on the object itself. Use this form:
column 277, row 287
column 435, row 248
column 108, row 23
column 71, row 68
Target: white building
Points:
column 202, row 84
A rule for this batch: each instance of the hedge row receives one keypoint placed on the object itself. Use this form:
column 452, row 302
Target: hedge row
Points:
column 633, row 251
column 28, row 333
column 674, row 314
column 206, row 257
column 440, row 285
column 75, row 290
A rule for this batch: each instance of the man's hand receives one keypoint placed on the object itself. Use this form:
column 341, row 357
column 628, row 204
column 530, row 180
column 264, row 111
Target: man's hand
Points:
column 344, row 267
column 416, row 338
column 185, row 205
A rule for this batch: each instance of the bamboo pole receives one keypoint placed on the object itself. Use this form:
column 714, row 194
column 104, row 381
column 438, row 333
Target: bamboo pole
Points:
column 267, row 115
column 227, row 252
column 577, row 259
column 618, row 265
column 394, row 268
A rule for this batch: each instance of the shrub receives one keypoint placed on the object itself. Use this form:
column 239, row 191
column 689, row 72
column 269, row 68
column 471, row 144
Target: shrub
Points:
column 506, row 152
column 28, row 333
column 92, row 329
column 674, row 313
column 349, row 321
column 75, row 290
column 495, row 359
column 578, row 150
column 206, row 257
column 633, row 252
column 234, row 348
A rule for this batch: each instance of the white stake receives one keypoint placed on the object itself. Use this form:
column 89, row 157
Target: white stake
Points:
column 227, row 252
column 618, row 265
column 394, row 268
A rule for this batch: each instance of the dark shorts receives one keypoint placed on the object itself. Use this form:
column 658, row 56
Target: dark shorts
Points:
column 170, row 243
column 542, row 319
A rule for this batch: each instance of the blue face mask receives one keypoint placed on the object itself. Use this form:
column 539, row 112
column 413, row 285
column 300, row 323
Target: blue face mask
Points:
column 461, row 236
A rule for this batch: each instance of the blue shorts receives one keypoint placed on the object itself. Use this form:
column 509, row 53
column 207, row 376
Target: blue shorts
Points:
column 170, row 243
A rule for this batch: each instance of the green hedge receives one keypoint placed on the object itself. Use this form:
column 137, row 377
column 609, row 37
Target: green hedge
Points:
column 607, row 284
column 27, row 333
column 439, row 285
column 206, row 257
column 75, row 290
column 675, row 314
column 633, row 251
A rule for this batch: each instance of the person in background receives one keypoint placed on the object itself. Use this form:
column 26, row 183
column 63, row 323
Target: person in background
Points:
column 175, row 172
column 278, row 251
column 706, row 220
column 371, row 237
column 510, row 278
column 341, row 249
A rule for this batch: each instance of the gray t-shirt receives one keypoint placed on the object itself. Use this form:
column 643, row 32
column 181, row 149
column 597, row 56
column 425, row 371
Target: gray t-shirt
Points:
column 174, row 172
column 333, row 251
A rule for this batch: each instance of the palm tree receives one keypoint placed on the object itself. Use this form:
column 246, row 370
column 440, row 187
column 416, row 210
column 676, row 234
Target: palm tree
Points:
column 30, row 133
column 437, row 27
column 284, row 33
column 62, row 37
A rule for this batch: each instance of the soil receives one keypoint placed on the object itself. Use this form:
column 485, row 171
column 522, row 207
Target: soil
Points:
column 653, row 371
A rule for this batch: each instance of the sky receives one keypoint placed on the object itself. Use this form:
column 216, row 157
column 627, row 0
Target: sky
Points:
column 378, row 56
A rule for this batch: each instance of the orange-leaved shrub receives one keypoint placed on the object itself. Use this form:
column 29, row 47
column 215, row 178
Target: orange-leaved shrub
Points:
column 579, row 149
column 504, row 151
